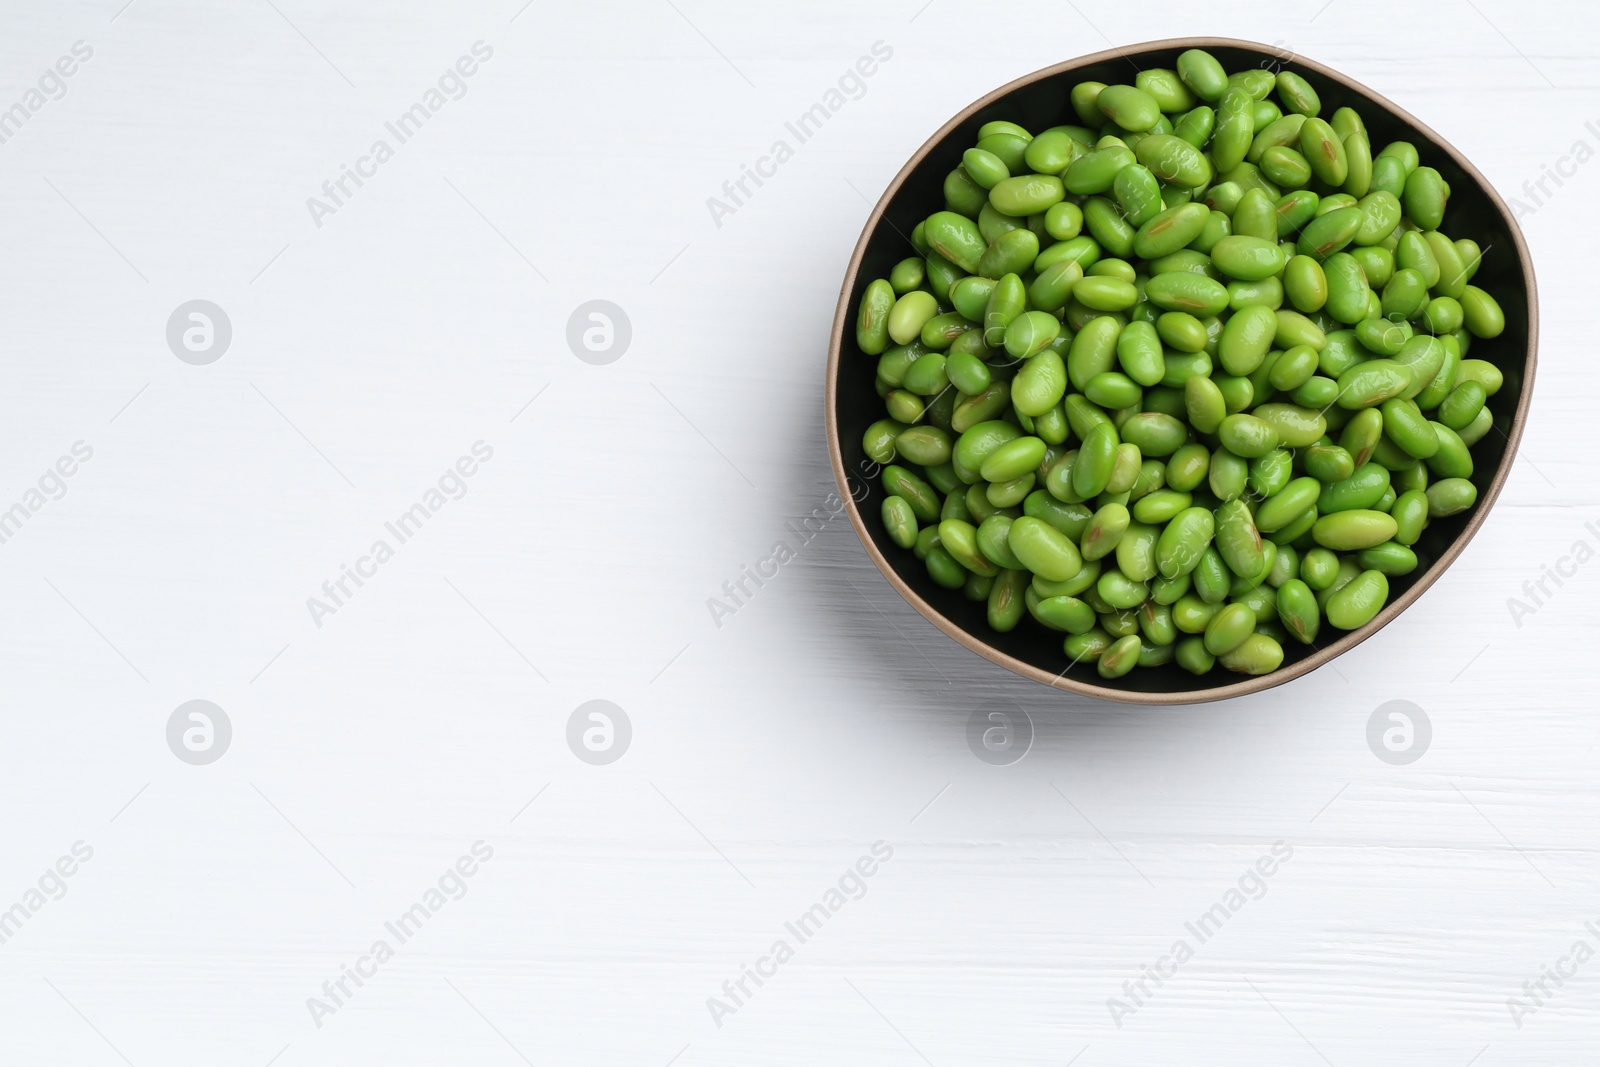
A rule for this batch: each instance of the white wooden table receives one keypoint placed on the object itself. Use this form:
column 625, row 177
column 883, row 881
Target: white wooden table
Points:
column 376, row 740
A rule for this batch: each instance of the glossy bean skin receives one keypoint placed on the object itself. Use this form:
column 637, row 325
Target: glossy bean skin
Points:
column 1238, row 541
column 1229, row 628
column 1348, row 531
column 899, row 521
column 1043, row 549
column 1358, row 601
column 1257, row 654
column 1450, row 496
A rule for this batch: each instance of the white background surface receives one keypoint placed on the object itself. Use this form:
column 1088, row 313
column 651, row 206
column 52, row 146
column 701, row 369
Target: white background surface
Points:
column 769, row 753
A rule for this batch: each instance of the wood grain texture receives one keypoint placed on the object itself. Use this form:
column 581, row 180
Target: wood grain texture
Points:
column 768, row 753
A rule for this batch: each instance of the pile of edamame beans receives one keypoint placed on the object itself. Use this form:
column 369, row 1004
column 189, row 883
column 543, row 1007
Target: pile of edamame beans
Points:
column 1185, row 379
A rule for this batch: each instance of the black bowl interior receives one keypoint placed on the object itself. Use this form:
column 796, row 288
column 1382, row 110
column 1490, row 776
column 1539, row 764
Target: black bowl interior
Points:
column 1044, row 103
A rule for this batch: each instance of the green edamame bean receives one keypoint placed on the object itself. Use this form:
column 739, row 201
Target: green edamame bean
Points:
column 1204, row 404
column 1113, row 390
column 1139, row 354
column 1129, row 107
column 1196, row 125
column 1288, row 504
column 1247, row 436
column 1093, row 351
column 984, row 167
column 1096, row 171
column 1106, row 224
column 926, row 377
column 1188, row 467
column 1329, row 233
column 956, row 238
column 1170, row 230
column 1185, row 333
column 970, row 296
column 1425, row 197
column 1406, row 426
column 1256, row 654
column 1135, row 555
column 1012, row 459
column 1246, row 337
column 1285, row 166
column 1192, row 615
column 924, row 445
column 961, row 194
column 1006, row 600
column 878, row 442
column 1192, row 656
column 906, row 276
column 1482, row 314
column 1011, row 253
column 1031, row 333
column 1019, row 196
column 1183, row 541
column 1449, row 496
column 904, row 406
column 1349, row 531
column 900, row 521
column 872, row 321
column 1104, row 294
column 1065, row 613
column 1174, row 160
column 1202, row 73
column 1043, row 549
column 1295, row 209
column 908, row 314
column 1138, row 193
column 1160, row 505
column 1247, row 258
column 1123, row 655
column 968, row 373
column 1355, row 604
column 1228, row 629
column 943, row 568
column 994, row 541
column 1390, row 558
column 1156, row 433
column 1362, row 489
column 1453, row 459
column 1235, row 128
column 1297, row 608
column 1229, row 475
column 1096, row 459
column 1106, row 528
column 900, row 482
column 1063, row 221
column 1410, row 513
column 1238, row 541
column 1052, row 150
column 960, row 539
column 1462, row 405
column 1305, row 283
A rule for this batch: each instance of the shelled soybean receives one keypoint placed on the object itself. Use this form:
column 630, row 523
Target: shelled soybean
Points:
column 1184, row 380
